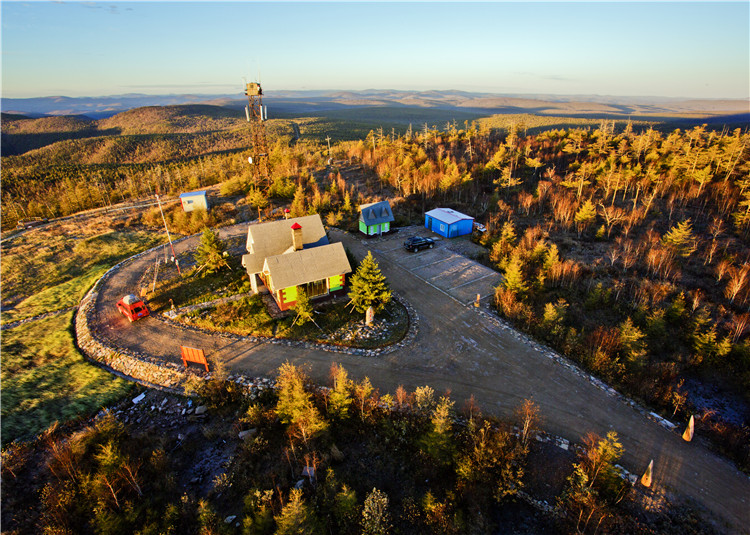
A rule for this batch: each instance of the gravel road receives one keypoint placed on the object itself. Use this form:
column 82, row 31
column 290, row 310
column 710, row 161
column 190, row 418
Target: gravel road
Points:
column 459, row 350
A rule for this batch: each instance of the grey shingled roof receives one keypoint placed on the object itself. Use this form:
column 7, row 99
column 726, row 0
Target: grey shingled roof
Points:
column 309, row 265
column 376, row 213
column 275, row 238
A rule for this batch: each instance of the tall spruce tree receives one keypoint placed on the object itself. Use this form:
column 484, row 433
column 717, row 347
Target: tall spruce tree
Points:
column 340, row 398
column 210, row 253
column 369, row 287
column 514, row 277
column 681, row 239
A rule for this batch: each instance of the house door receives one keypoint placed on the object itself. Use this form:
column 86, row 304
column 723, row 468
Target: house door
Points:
column 428, row 223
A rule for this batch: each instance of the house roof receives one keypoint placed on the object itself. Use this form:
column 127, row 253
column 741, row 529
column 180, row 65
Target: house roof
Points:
column 275, row 238
column 193, row 194
column 447, row 215
column 376, row 213
column 308, row 265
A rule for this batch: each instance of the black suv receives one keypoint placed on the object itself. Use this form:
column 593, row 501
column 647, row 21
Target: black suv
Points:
column 416, row 243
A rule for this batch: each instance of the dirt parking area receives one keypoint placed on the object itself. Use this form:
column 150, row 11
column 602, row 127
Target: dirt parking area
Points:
column 455, row 275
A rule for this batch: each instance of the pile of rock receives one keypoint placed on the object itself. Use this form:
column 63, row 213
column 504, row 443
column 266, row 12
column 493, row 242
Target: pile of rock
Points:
column 356, row 331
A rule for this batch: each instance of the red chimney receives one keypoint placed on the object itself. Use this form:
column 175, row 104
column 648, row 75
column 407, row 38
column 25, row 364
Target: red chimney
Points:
column 297, row 236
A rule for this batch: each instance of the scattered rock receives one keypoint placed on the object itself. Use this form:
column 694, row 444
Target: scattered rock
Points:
column 230, row 519
column 138, row 399
column 245, row 435
column 200, row 410
column 336, row 453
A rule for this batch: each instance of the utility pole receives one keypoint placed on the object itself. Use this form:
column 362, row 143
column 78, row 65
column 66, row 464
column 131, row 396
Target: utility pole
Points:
column 174, row 255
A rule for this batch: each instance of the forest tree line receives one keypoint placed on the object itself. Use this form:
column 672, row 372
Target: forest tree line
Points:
column 342, row 459
column 627, row 251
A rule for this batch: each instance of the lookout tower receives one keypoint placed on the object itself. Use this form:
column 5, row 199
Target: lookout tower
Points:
column 256, row 114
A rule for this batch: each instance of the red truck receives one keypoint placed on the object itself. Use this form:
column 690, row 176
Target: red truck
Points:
column 132, row 308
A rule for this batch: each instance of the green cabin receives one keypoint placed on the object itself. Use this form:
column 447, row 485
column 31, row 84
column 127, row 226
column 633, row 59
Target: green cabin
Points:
column 375, row 218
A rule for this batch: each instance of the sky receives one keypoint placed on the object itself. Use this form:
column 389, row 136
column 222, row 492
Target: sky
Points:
column 672, row 49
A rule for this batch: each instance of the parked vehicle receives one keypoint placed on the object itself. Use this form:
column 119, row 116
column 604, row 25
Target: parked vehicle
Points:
column 418, row 243
column 132, row 308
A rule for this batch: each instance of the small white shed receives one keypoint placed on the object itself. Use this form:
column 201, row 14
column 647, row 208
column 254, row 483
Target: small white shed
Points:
column 194, row 200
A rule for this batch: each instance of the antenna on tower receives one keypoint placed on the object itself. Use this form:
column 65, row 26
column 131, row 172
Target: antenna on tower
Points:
column 255, row 113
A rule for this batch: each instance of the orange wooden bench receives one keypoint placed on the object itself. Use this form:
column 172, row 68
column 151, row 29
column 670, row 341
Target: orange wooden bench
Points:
column 190, row 354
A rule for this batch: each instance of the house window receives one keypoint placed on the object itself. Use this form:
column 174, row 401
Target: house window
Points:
column 189, row 201
column 314, row 289
column 442, row 227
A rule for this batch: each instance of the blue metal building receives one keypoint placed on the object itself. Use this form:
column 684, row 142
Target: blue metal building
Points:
column 448, row 223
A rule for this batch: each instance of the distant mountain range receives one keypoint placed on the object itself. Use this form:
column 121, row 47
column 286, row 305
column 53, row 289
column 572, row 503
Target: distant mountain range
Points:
column 291, row 103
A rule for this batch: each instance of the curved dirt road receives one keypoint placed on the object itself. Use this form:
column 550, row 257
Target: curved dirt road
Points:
column 458, row 350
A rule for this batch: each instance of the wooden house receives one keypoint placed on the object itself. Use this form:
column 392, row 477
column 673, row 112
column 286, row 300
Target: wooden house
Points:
column 290, row 253
column 448, row 223
column 375, row 218
column 194, row 200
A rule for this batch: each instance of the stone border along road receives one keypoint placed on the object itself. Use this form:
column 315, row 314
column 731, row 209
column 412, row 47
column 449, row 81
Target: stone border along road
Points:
column 458, row 348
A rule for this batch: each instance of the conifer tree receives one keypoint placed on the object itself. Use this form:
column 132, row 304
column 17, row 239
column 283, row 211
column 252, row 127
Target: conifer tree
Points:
column 297, row 517
column 295, row 405
column 210, row 253
column 298, row 207
column 680, row 239
column 514, row 277
column 552, row 258
column 369, row 287
column 632, row 341
column 585, row 216
column 340, row 398
column 504, row 245
column 437, row 442
column 375, row 516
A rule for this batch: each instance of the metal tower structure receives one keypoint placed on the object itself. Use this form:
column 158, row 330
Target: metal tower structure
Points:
column 256, row 114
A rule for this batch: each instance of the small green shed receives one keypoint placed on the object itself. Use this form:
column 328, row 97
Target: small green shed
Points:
column 375, row 218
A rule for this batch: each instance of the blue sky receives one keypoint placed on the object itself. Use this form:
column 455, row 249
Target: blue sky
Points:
column 695, row 50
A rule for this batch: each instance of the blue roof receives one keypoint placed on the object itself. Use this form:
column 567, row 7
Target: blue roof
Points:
column 193, row 194
column 376, row 213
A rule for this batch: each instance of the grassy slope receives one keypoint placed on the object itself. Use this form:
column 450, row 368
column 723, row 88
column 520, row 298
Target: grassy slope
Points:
column 64, row 295
column 52, row 267
column 45, row 378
